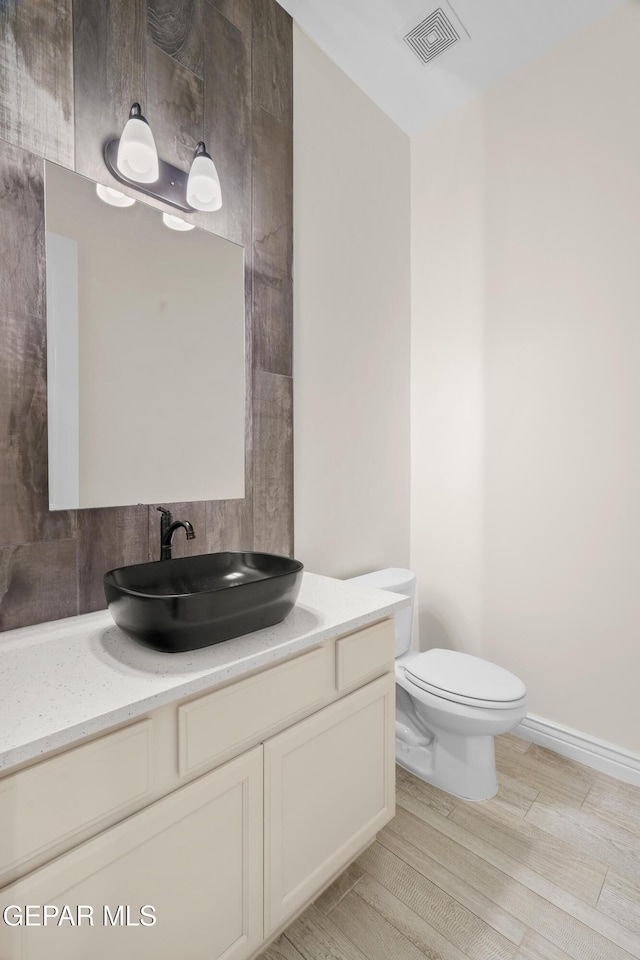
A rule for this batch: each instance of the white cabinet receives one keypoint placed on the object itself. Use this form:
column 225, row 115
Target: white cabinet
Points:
column 363, row 655
column 55, row 800
column 195, row 856
column 226, row 860
column 329, row 788
column 227, row 721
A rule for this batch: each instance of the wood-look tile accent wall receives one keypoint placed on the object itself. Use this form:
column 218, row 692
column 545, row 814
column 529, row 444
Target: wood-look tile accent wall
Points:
column 218, row 70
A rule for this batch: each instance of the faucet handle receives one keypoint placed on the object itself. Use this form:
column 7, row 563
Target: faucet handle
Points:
column 165, row 520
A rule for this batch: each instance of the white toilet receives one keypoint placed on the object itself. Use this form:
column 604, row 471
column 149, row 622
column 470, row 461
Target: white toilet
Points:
column 449, row 705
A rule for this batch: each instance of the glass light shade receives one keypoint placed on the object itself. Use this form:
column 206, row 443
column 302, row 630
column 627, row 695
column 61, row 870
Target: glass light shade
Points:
column 137, row 155
column 203, row 185
column 176, row 223
column 113, row 197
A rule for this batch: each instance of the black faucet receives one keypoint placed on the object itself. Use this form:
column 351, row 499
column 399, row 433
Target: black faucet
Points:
column 168, row 527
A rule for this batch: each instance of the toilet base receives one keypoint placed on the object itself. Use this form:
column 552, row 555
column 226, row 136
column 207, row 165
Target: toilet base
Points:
column 462, row 766
column 450, row 744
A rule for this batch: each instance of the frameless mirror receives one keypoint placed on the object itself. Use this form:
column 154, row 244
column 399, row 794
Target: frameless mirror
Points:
column 146, row 359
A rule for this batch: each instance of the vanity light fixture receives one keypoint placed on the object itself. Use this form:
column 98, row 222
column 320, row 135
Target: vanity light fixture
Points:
column 203, row 185
column 133, row 159
column 176, row 223
column 137, row 157
column 113, row 197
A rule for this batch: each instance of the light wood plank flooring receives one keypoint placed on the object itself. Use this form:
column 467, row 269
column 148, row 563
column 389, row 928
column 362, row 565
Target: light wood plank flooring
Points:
column 549, row 869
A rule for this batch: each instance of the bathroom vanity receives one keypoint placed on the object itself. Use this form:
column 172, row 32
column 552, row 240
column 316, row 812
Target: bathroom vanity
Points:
column 191, row 804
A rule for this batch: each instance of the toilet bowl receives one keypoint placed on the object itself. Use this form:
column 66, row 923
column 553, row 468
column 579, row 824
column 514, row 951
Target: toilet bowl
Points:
column 449, row 705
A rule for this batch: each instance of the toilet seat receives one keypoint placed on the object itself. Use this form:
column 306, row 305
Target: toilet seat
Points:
column 462, row 678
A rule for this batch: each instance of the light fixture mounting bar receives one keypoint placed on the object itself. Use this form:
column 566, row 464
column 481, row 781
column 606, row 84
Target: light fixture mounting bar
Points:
column 170, row 187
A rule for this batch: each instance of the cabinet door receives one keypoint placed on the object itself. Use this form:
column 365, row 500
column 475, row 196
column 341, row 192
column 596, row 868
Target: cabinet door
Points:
column 329, row 788
column 195, row 857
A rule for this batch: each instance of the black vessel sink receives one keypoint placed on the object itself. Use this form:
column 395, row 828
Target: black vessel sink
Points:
column 190, row 602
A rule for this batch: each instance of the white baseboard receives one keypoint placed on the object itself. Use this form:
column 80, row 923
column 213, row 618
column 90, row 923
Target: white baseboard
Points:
column 606, row 757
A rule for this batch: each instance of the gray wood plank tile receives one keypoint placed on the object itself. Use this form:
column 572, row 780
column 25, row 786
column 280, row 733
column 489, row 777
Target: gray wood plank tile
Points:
column 22, row 240
column 237, row 11
column 317, row 938
column 37, row 583
column 557, row 778
column 177, row 28
column 620, row 899
column 24, row 480
column 175, row 104
column 249, row 464
column 565, row 864
column 440, row 912
column 563, row 919
column 422, row 792
column 107, row 538
column 535, row 947
column 429, row 941
column 509, row 749
column 616, row 846
column 229, row 525
column 273, row 464
column 273, row 60
column 280, row 949
column 36, row 78
column 512, row 797
column 457, row 887
column 24, row 495
column 372, row 933
column 340, row 888
column 273, row 322
column 230, row 522
column 109, row 73
column 272, row 244
column 615, row 801
column 108, row 64
column 227, row 123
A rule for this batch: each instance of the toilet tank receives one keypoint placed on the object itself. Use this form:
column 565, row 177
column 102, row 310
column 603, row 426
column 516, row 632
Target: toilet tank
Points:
column 396, row 580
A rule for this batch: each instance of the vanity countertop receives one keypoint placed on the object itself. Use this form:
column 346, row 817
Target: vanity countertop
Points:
column 64, row 680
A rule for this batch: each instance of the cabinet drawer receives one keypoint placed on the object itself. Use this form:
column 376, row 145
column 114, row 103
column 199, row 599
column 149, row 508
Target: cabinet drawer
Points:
column 228, row 720
column 364, row 655
column 57, row 798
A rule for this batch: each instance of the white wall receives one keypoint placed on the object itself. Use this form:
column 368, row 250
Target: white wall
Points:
column 526, row 379
column 447, row 381
column 352, row 324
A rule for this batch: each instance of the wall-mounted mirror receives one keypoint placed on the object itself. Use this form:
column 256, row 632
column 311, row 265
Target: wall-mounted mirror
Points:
column 146, row 359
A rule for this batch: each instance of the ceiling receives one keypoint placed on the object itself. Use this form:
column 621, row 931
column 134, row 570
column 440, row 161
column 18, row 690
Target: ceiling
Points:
column 365, row 39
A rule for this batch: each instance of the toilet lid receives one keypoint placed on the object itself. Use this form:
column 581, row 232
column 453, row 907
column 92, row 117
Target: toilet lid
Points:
column 461, row 675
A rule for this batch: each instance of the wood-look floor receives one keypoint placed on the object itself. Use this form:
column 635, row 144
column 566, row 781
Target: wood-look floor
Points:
column 549, row 869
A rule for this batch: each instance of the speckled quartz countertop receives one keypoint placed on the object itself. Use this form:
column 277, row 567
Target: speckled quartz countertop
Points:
column 64, row 680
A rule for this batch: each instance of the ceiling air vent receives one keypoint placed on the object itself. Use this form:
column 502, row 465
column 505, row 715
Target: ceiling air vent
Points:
column 435, row 34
